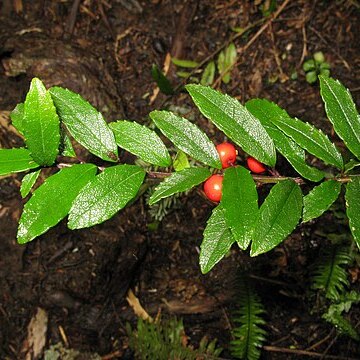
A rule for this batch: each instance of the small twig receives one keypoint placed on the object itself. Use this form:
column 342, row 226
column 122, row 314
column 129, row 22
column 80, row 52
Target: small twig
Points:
column 305, row 353
column 304, row 50
column 72, row 17
column 317, row 344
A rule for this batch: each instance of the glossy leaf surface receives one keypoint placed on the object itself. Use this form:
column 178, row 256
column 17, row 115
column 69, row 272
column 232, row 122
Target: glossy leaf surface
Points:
column 320, row 198
column 17, row 117
column 352, row 197
column 341, row 111
column 278, row 216
column 86, row 125
column 181, row 161
column 141, row 141
column 217, row 240
column 105, row 195
column 235, row 121
column 16, row 160
column 240, row 203
column 179, row 181
column 310, row 138
column 265, row 110
column 51, row 202
column 187, row 137
column 28, row 182
column 40, row 124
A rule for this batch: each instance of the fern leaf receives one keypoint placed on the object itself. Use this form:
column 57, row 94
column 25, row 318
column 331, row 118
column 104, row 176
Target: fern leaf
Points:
column 330, row 275
column 248, row 333
column 334, row 314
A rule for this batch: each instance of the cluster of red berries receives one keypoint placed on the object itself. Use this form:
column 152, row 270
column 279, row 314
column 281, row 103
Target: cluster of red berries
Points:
column 227, row 154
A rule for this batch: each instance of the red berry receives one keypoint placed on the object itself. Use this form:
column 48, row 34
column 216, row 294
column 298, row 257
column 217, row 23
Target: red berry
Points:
column 255, row 166
column 213, row 187
column 227, row 153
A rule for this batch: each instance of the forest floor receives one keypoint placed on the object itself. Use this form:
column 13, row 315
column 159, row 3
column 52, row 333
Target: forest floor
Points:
column 81, row 279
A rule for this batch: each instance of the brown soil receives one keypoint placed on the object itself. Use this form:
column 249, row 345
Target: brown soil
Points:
column 81, row 278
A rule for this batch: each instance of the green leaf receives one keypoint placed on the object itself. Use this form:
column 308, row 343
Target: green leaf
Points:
column 265, row 110
column 310, row 138
column 105, row 195
column 15, row 160
column 161, row 80
column 86, row 125
column 320, row 198
column 235, row 121
column 352, row 197
column 341, row 111
column 311, row 77
column 52, row 201
column 17, row 117
column 309, row 65
column 187, row 137
column 278, row 216
column 208, row 75
column 28, row 182
column 184, row 63
column 319, row 57
column 141, row 141
column 226, row 61
column 181, row 161
column 217, row 240
column 179, row 182
column 68, row 149
column 240, row 203
column 351, row 165
column 40, row 124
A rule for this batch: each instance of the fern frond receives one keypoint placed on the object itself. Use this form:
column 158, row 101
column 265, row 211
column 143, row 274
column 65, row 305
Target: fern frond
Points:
column 330, row 275
column 334, row 314
column 166, row 340
column 248, row 333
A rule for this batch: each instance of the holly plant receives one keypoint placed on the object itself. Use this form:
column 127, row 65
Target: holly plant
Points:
column 54, row 119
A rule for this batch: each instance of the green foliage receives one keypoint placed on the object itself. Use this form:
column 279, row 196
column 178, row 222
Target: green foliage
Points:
column 16, row 160
column 316, row 66
column 178, row 182
column 28, row 182
column 52, row 201
column 265, row 111
column 40, row 124
column 141, row 141
column 208, row 75
column 217, row 240
column 161, row 80
column 330, row 276
column 320, row 198
column 278, row 216
column 166, row 340
column 226, row 60
column 105, row 195
column 240, row 188
column 248, row 333
column 341, row 111
column 187, row 137
column 235, row 121
column 334, row 314
column 260, row 128
column 352, row 197
column 85, row 123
